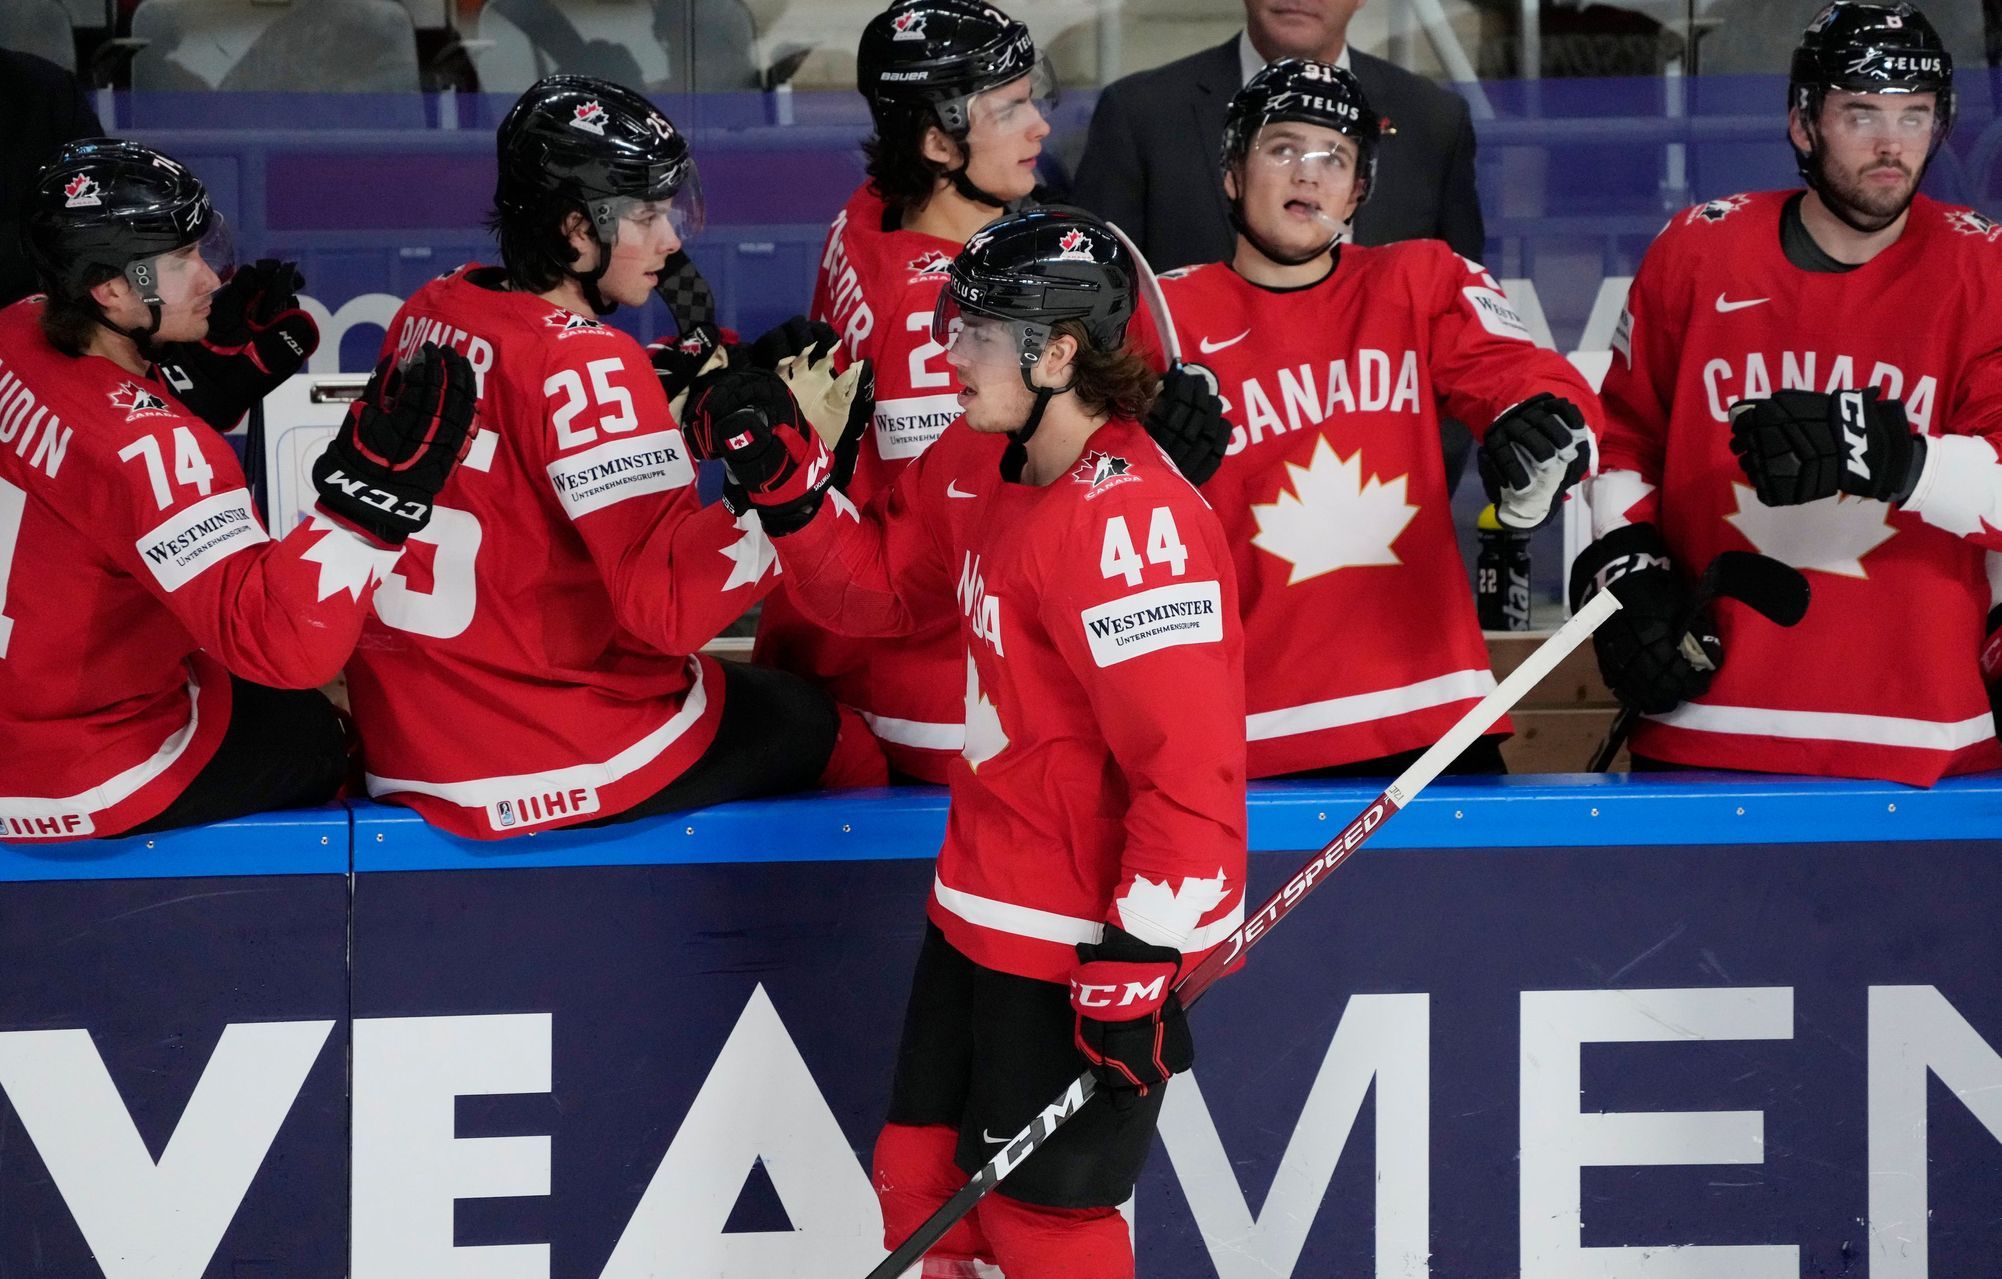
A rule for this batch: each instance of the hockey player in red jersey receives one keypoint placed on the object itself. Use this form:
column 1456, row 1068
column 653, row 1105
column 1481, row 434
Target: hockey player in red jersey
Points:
column 1813, row 375
column 158, row 647
column 1097, row 830
column 541, row 669
column 1334, row 361
column 960, row 99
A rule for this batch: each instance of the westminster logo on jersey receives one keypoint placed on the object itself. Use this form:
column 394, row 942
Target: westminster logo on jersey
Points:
column 138, row 402
column 1330, row 518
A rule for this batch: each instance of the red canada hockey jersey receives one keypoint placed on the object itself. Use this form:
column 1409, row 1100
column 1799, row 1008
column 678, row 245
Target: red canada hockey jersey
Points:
column 1881, row 677
column 535, row 667
column 1103, row 775
column 1360, row 632
column 876, row 287
column 135, row 576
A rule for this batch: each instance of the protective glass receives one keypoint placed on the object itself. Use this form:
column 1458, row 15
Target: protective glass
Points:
column 183, row 278
column 980, row 341
column 1287, row 152
column 1016, row 105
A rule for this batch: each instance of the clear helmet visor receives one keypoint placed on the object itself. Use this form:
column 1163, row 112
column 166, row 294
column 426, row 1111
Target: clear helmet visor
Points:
column 182, row 280
column 623, row 218
column 1016, row 106
column 1884, row 115
column 975, row 341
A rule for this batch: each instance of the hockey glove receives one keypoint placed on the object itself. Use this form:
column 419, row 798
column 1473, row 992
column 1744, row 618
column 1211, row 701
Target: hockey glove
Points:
column 1802, row 446
column 697, row 354
column 1187, row 421
column 398, row 445
column 1530, row 456
column 258, row 336
column 773, row 462
column 797, row 336
column 1991, row 664
column 838, row 407
column 1654, row 652
column 1130, row 1025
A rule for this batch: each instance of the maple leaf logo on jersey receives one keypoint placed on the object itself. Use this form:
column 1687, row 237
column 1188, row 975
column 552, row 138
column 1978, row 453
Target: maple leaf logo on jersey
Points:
column 136, row 400
column 1718, row 210
column 82, row 191
column 567, row 322
column 985, row 738
column 1968, row 222
column 751, row 554
column 1179, row 910
column 1331, row 519
column 909, row 25
column 590, row 118
column 1097, row 469
column 1832, row 535
column 930, row 262
column 347, row 563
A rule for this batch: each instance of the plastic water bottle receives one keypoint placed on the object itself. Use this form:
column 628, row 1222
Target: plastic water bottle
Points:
column 1501, row 575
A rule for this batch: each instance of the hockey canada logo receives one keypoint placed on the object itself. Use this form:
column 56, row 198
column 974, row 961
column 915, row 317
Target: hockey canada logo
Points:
column 137, row 401
column 1718, row 210
column 568, row 322
column 908, row 25
column 1074, row 245
column 82, row 191
column 590, row 118
column 1968, row 222
column 930, row 262
column 1102, row 471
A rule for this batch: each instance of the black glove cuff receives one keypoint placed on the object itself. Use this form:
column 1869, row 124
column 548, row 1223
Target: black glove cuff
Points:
column 1633, row 548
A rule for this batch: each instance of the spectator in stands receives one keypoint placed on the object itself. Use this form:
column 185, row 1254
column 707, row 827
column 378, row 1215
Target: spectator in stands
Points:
column 546, row 670
column 1142, row 171
column 44, row 106
column 159, row 646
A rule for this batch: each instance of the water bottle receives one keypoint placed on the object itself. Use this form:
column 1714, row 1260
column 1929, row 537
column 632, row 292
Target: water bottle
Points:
column 1501, row 575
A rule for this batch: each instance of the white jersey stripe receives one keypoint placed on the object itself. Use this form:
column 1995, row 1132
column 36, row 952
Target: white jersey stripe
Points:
column 917, row 732
column 1068, row 930
column 481, row 791
column 1361, row 708
column 119, row 788
column 1831, row 726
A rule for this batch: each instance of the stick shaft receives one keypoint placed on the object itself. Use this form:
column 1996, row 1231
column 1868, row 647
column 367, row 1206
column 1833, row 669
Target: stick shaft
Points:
column 1379, row 810
column 1157, row 301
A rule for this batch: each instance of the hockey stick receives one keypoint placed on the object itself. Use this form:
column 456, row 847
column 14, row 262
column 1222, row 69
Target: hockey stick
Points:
column 1774, row 590
column 1157, row 302
column 1256, row 925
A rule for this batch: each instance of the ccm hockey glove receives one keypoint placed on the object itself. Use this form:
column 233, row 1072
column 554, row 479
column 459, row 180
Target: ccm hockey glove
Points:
column 1530, row 456
column 773, row 461
column 1802, row 446
column 398, row 445
column 680, row 364
column 258, row 336
column 839, row 406
column 1654, row 653
column 1130, row 1024
column 1187, row 421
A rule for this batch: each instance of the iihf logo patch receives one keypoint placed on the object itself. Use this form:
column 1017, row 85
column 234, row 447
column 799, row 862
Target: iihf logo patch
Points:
column 1101, row 471
column 504, row 813
column 590, row 118
column 137, row 401
column 1074, row 246
column 83, row 192
column 909, row 25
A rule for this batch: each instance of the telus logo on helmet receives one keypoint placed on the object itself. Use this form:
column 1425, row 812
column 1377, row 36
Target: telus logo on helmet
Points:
column 82, row 191
column 590, row 117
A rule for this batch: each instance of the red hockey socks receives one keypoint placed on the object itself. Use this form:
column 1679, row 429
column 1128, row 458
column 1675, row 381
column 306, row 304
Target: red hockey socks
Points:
column 1033, row 1242
column 857, row 760
column 914, row 1174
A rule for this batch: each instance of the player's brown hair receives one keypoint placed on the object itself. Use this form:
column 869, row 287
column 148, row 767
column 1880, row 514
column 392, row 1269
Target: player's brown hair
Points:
column 69, row 323
column 1117, row 382
column 899, row 173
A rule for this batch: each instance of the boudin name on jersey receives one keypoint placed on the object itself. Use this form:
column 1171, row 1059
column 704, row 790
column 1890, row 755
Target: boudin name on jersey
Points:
column 1381, row 382
column 1750, row 376
column 26, row 422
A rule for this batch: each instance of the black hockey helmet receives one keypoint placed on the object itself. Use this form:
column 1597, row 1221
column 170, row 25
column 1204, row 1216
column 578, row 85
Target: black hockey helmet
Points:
column 105, row 207
column 1869, row 48
column 1310, row 92
column 940, row 54
column 1040, row 267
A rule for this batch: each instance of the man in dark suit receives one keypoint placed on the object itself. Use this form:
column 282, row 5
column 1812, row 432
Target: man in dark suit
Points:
column 44, row 107
column 1150, row 162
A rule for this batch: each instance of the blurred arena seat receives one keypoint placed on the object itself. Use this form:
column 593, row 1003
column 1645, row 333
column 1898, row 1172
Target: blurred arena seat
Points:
column 660, row 46
column 355, row 46
column 40, row 27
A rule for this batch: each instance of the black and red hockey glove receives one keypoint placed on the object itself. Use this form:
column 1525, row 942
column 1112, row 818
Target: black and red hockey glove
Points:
column 773, row 461
column 797, row 335
column 1130, row 1024
column 1530, row 456
column 1654, row 652
column 680, row 363
column 258, row 336
column 1187, row 421
column 398, row 445
column 1802, row 446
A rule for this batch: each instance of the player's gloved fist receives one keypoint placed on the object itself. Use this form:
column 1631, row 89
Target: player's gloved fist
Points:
column 1530, row 456
column 1802, row 446
column 1654, row 652
column 1130, row 1025
column 796, row 336
column 258, row 336
column 398, row 445
column 682, row 363
column 839, row 406
column 774, row 462
column 1187, row 421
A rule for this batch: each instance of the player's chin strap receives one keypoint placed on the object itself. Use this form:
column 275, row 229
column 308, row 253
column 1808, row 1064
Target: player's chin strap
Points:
column 1810, row 169
column 142, row 338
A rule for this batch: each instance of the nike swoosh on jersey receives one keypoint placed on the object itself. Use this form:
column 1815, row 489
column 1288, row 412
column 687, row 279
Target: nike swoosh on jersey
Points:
column 952, row 489
column 1725, row 307
column 990, row 1138
column 1211, row 348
